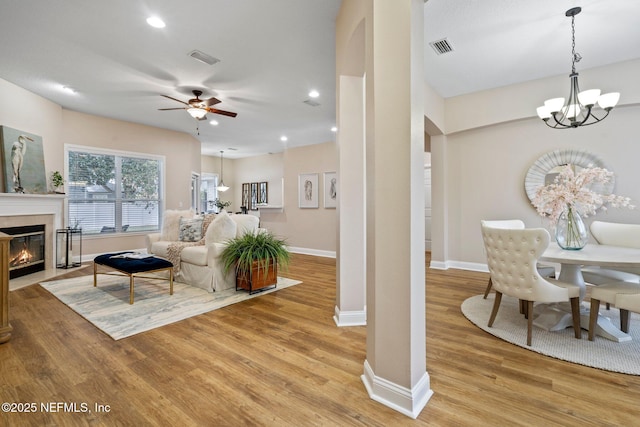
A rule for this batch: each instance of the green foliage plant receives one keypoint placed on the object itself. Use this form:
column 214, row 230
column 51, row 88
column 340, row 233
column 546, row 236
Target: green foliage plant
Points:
column 56, row 179
column 263, row 247
column 221, row 204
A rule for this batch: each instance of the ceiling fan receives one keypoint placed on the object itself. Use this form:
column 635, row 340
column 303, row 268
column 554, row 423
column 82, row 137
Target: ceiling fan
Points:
column 198, row 108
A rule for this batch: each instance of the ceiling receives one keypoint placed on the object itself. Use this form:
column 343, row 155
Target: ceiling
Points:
column 272, row 53
column 502, row 42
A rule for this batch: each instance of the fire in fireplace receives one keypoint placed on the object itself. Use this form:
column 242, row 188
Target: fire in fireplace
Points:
column 26, row 249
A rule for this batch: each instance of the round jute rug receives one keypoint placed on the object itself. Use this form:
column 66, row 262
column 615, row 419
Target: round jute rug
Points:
column 601, row 353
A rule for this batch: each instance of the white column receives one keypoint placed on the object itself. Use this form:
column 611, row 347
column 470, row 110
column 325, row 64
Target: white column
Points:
column 395, row 367
column 350, row 260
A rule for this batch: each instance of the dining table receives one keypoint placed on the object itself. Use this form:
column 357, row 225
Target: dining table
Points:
column 555, row 317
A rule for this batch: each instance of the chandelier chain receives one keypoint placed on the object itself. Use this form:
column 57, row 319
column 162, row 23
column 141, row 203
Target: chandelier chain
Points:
column 574, row 59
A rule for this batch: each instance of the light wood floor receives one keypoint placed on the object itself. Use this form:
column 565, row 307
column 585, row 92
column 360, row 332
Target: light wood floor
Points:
column 279, row 360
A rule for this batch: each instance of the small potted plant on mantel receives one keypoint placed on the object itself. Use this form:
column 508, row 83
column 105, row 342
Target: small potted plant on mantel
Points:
column 57, row 181
column 255, row 258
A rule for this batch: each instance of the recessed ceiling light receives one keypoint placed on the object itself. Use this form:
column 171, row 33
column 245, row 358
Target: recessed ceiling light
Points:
column 283, row 138
column 155, row 22
column 334, row 129
column 214, row 122
column 314, row 94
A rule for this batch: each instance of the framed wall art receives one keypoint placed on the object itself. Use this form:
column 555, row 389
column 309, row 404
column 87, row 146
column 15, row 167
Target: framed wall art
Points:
column 330, row 190
column 246, row 195
column 308, row 190
column 263, row 192
column 22, row 162
column 254, row 196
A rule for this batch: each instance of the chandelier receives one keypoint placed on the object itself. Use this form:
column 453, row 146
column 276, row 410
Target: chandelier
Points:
column 222, row 187
column 579, row 108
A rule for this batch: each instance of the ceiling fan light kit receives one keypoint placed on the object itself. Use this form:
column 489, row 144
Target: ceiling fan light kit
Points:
column 579, row 108
column 197, row 113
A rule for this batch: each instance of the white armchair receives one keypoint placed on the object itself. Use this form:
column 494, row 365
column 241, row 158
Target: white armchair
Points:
column 512, row 256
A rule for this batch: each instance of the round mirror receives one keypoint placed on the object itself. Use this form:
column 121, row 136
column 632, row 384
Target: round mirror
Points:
column 546, row 168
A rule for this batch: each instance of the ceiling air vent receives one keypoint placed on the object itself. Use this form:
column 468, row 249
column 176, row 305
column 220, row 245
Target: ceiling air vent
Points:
column 203, row 57
column 441, row 46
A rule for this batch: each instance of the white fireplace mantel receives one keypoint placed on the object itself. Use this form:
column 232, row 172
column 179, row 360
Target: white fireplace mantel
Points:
column 13, row 204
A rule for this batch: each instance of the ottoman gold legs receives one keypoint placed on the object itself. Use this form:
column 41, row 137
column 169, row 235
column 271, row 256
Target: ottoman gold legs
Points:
column 131, row 276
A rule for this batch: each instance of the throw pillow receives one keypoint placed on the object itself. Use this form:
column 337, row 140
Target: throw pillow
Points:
column 246, row 224
column 171, row 223
column 208, row 219
column 190, row 229
column 221, row 229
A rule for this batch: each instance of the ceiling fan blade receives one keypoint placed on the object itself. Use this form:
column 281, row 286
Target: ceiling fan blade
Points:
column 212, row 101
column 224, row 113
column 182, row 102
column 165, row 109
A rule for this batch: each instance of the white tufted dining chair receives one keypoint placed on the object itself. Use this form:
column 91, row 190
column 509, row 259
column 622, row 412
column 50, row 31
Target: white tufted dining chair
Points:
column 512, row 255
column 626, row 303
column 614, row 234
column 544, row 270
column 624, row 293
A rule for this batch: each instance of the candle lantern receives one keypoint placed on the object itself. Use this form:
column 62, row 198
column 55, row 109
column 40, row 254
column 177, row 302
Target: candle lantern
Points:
column 68, row 246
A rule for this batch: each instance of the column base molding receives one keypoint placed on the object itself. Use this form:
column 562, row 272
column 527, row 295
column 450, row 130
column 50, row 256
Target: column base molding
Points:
column 350, row 318
column 409, row 402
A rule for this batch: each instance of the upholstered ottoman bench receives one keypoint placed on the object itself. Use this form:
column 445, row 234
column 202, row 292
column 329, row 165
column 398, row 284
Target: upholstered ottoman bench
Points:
column 130, row 264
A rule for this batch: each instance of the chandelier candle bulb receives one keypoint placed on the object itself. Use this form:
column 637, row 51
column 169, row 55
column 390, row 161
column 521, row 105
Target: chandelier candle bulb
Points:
column 589, row 97
column 554, row 105
column 608, row 100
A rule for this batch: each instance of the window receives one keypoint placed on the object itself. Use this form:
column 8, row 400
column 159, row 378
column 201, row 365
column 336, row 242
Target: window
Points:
column 111, row 191
column 208, row 192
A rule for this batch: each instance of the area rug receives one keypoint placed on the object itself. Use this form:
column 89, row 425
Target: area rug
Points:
column 601, row 353
column 107, row 305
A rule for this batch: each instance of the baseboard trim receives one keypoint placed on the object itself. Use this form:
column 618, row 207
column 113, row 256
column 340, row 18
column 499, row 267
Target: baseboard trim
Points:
column 460, row 265
column 409, row 402
column 315, row 252
column 350, row 318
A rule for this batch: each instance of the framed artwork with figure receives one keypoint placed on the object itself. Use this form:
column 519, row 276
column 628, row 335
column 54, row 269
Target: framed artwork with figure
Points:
column 308, row 190
column 330, row 190
column 22, row 162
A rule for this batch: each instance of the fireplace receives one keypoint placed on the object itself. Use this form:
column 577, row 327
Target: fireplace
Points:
column 17, row 210
column 26, row 249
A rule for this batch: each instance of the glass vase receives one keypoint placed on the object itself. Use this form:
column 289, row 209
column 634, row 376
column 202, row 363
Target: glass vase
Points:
column 571, row 233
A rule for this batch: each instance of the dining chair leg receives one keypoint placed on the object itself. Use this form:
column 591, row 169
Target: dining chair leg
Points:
column 523, row 307
column 486, row 291
column 494, row 312
column 529, row 321
column 593, row 316
column 608, row 306
column 575, row 313
column 624, row 320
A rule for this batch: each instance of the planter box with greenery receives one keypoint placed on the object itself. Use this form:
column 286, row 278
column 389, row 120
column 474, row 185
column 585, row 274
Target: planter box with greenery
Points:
column 255, row 258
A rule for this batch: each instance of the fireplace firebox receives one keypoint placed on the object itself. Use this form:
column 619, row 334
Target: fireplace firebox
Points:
column 26, row 249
